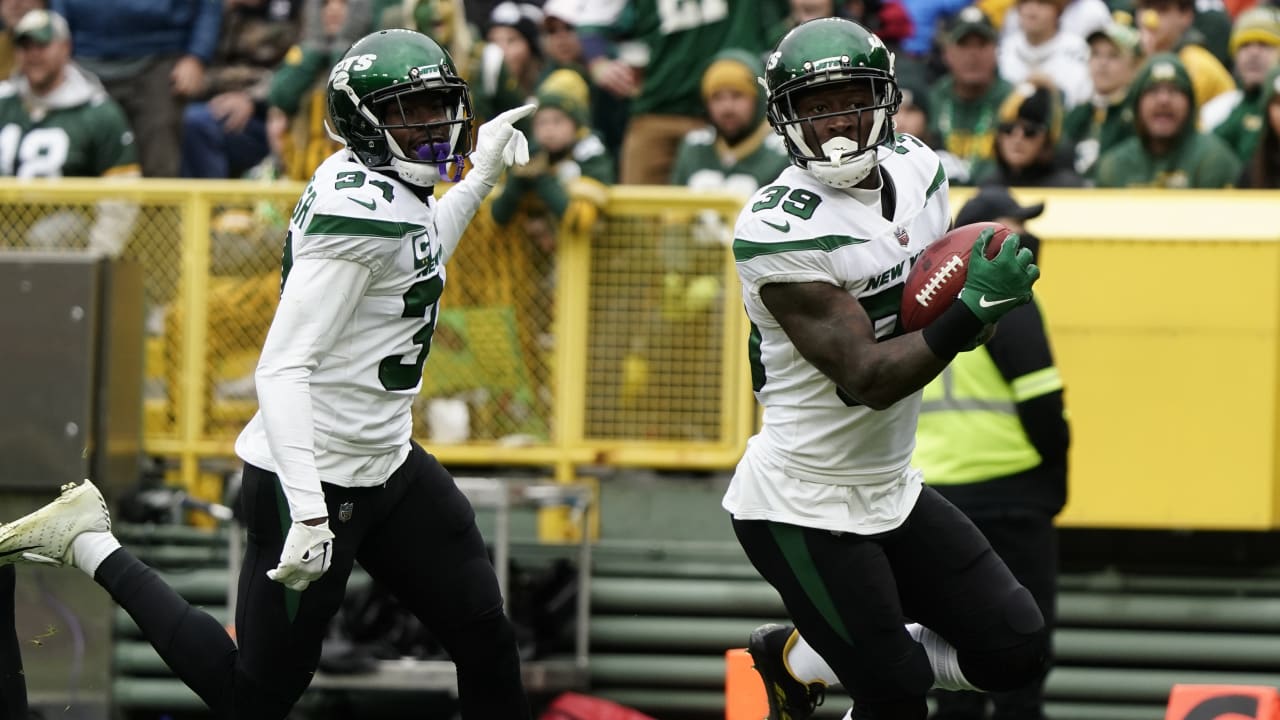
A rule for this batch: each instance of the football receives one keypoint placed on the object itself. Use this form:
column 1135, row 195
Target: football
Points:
column 938, row 274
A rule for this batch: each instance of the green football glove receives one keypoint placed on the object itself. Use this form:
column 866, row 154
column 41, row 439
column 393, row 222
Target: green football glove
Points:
column 994, row 287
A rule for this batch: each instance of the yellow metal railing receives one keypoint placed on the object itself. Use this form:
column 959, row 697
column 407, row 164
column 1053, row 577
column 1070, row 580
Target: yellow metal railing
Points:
column 530, row 357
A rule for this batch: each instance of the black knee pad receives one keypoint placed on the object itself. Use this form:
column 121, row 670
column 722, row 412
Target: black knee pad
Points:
column 1018, row 655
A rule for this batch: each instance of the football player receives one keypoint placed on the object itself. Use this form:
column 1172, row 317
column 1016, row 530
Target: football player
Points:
column 331, row 475
column 824, row 501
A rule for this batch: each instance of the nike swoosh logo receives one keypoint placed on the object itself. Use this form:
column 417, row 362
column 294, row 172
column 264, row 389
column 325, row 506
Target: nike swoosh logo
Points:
column 367, row 204
column 784, row 227
column 984, row 302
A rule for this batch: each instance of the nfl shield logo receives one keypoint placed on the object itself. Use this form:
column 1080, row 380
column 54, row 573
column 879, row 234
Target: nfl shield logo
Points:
column 900, row 232
column 344, row 511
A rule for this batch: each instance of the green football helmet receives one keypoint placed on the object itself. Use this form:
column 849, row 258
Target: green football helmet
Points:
column 369, row 90
column 823, row 54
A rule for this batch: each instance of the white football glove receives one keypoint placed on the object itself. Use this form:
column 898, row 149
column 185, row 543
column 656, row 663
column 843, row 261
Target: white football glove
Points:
column 307, row 554
column 499, row 145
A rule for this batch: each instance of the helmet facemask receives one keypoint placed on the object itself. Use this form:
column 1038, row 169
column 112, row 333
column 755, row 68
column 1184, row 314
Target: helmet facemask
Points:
column 868, row 99
column 432, row 144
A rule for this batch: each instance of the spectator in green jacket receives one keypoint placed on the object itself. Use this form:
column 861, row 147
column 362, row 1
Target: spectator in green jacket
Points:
column 1263, row 169
column 1237, row 116
column 1092, row 128
column 569, row 170
column 965, row 100
column 738, row 151
column 1168, row 151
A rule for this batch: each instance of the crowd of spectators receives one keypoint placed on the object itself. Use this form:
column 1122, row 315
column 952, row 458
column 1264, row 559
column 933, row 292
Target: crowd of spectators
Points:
column 1055, row 93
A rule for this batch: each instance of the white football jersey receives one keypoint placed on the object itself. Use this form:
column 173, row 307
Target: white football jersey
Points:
column 363, row 389
column 821, row 459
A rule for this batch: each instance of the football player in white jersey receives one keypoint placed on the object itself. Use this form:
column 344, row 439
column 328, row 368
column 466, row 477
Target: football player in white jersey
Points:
column 891, row 589
column 331, row 475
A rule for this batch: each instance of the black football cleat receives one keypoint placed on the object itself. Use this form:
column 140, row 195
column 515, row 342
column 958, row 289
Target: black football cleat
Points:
column 789, row 699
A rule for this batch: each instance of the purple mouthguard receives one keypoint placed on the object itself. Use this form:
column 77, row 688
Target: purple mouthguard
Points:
column 438, row 153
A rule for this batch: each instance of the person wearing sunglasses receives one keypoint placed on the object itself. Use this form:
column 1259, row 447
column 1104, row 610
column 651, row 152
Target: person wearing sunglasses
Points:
column 1029, row 123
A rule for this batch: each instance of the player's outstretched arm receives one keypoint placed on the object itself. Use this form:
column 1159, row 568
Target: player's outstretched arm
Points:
column 499, row 145
column 833, row 332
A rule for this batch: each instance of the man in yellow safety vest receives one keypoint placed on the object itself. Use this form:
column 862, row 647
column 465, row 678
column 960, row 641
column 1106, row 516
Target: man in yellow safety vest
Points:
column 993, row 440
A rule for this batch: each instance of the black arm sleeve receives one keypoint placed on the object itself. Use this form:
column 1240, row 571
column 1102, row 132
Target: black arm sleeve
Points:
column 1019, row 347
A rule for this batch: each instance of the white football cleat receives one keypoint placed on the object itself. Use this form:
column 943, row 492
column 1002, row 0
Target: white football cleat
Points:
column 45, row 535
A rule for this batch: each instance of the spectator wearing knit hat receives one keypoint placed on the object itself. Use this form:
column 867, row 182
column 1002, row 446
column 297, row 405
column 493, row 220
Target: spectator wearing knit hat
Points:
column 1092, row 128
column 1255, row 49
column 738, row 151
column 1167, row 151
column 567, row 175
column 1040, row 47
column 514, row 26
column 1027, row 139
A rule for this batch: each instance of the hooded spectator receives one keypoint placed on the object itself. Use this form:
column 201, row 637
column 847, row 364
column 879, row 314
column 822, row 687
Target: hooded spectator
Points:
column 1167, row 151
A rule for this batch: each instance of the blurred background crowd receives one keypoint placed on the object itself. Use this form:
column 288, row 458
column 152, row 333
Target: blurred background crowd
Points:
column 1032, row 93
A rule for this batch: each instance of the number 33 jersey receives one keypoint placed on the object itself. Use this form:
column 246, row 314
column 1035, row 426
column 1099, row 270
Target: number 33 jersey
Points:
column 821, row 458
column 363, row 387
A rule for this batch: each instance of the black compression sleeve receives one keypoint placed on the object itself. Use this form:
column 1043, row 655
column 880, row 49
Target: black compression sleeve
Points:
column 953, row 331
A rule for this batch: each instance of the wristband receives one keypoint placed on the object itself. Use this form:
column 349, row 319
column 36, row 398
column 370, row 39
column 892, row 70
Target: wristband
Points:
column 953, row 331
